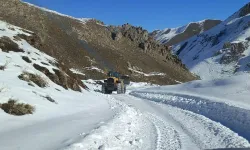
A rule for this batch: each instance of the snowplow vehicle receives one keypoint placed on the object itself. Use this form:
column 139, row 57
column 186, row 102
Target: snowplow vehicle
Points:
column 115, row 82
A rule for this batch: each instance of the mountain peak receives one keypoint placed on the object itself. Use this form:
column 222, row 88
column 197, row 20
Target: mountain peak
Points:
column 244, row 10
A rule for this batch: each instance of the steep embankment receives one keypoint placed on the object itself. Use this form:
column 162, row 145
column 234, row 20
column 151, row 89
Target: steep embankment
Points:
column 221, row 51
column 172, row 36
column 87, row 45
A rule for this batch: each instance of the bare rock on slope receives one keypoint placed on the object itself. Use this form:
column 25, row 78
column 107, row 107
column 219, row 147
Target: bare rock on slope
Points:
column 70, row 40
column 6, row 44
column 244, row 10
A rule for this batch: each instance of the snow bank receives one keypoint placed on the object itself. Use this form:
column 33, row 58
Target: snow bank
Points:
column 233, row 90
column 224, row 100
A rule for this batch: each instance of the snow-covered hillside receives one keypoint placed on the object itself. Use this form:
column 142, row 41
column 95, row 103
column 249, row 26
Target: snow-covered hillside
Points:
column 219, row 52
column 171, row 36
column 57, row 110
column 163, row 36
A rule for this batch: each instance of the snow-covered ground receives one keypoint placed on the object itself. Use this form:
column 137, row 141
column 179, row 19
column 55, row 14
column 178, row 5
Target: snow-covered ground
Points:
column 222, row 100
column 156, row 117
column 203, row 114
column 53, row 124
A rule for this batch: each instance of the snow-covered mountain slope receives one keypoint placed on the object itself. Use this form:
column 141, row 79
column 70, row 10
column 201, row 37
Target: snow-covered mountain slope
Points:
column 60, row 114
column 171, row 36
column 221, row 51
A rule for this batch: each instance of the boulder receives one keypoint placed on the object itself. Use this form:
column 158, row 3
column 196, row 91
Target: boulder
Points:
column 117, row 36
column 233, row 52
column 144, row 46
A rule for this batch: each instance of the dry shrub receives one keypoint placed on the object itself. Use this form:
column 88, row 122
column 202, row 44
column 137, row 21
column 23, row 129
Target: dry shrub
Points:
column 35, row 78
column 25, row 58
column 6, row 44
column 17, row 109
column 3, row 67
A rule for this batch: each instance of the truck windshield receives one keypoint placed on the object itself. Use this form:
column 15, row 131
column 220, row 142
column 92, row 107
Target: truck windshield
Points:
column 114, row 74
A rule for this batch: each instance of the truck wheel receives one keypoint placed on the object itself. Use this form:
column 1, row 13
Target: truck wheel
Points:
column 103, row 89
column 125, row 89
column 109, row 92
column 119, row 88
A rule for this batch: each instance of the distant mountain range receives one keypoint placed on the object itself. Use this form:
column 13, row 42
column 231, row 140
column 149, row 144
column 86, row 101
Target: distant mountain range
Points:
column 171, row 36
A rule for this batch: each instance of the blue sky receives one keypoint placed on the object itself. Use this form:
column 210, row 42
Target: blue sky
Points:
column 150, row 14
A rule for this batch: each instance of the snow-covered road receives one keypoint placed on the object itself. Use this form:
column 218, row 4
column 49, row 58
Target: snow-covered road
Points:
column 189, row 130
column 135, row 121
column 144, row 124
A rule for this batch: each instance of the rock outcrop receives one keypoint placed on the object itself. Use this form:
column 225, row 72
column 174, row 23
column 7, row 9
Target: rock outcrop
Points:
column 232, row 52
column 245, row 10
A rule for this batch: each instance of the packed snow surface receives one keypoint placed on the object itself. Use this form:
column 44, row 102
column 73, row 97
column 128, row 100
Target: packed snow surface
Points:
column 156, row 117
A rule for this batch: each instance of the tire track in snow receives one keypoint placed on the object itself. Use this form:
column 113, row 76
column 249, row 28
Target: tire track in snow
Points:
column 166, row 136
column 167, row 133
column 206, row 133
column 127, row 131
column 198, row 110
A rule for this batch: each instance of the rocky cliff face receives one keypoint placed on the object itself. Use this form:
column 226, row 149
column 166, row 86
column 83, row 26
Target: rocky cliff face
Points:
column 140, row 37
column 176, row 35
column 92, row 48
column 244, row 10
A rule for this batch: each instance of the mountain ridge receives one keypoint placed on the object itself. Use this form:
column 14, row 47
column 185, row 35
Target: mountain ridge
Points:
column 172, row 36
column 221, row 51
column 90, row 44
